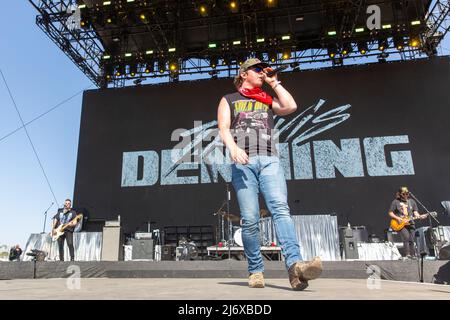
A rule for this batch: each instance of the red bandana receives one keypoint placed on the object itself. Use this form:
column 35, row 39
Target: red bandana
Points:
column 258, row 94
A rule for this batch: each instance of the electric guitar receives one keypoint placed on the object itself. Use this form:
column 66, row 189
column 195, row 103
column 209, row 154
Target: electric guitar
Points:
column 58, row 232
column 397, row 226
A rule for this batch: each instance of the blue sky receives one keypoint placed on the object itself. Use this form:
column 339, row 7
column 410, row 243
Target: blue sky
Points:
column 39, row 76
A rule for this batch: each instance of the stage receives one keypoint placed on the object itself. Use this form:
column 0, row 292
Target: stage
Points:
column 434, row 271
column 217, row 289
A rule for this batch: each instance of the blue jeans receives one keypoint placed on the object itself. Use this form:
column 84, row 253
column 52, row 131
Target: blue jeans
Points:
column 265, row 174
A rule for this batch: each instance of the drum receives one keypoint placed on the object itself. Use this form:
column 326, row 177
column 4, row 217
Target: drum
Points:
column 238, row 237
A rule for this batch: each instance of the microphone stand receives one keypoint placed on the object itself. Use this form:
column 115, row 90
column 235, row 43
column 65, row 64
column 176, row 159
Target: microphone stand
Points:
column 422, row 254
column 429, row 215
column 45, row 215
column 220, row 223
column 230, row 226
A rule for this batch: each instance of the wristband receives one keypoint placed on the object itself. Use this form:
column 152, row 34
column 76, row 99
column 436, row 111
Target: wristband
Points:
column 278, row 82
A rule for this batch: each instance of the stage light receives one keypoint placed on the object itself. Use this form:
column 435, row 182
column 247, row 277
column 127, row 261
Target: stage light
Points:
column 337, row 61
column 382, row 44
column 399, row 43
column 144, row 17
column 331, row 33
column 347, row 49
column 213, row 61
column 362, row 47
column 237, row 42
column 415, row 23
column 226, row 61
column 259, row 40
column 332, row 51
column 203, row 10
column 287, row 37
column 212, row 45
column 106, row 57
column 234, row 6
column 414, row 42
column 382, row 57
column 273, row 56
column 161, row 66
column 173, row 66
column 85, row 21
column 110, row 19
column 271, row 3
column 120, row 71
column 133, row 69
column 127, row 55
column 387, row 26
column 241, row 59
column 286, row 54
column 109, row 71
column 172, row 49
column 149, row 66
column 149, row 52
column 359, row 30
column 85, row 24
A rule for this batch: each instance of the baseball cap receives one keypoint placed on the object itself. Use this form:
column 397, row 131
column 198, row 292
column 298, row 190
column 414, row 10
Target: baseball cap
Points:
column 251, row 63
column 403, row 190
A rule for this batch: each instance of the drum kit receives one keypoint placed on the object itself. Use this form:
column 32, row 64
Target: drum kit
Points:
column 234, row 233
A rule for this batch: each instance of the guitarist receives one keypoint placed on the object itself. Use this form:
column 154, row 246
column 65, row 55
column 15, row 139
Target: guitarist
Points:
column 65, row 215
column 404, row 207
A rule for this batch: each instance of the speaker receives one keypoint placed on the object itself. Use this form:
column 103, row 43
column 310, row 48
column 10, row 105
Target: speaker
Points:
column 168, row 252
column 444, row 253
column 142, row 249
column 424, row 241
column 112, row 244
column 350, row 248
column 393, row 236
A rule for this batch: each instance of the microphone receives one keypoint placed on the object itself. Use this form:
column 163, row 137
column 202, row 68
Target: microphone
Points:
column 276, row 70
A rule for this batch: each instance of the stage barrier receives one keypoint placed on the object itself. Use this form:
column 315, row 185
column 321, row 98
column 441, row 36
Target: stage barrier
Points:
column 88, row 246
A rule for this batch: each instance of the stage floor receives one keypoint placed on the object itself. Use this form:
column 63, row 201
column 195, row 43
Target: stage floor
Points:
column 216, row 289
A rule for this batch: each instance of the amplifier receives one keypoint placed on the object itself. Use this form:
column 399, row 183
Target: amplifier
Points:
column 168, row 252
column 142, row 249
column 142, row 235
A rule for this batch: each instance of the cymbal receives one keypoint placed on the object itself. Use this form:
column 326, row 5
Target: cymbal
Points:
column 231, row 217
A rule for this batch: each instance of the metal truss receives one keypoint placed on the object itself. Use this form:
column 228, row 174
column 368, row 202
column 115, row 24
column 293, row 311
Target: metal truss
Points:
column 438, row 24
column 83, row 48
column 86, row 47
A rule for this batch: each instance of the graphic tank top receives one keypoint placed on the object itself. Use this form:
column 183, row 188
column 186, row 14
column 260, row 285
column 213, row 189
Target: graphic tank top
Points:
column 251, row 125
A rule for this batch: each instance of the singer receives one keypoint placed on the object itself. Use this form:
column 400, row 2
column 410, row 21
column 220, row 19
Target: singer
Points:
column 246, row 127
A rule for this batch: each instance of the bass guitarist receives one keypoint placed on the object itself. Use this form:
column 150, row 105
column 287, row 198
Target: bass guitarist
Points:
column 65, row 215
column 403, row 209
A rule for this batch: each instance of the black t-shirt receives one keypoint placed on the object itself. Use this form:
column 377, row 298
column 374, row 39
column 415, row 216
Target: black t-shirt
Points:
column 252, row 124
column 14, row 254
column 63, row 218
column 397, row 207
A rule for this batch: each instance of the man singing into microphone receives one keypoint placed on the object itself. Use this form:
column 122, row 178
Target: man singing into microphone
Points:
column 249, row 114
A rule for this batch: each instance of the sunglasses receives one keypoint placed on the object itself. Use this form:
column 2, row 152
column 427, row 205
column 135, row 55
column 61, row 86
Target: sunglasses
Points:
column 257, row 69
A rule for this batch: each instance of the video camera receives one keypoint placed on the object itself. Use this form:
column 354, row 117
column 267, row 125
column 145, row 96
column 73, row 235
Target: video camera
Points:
column 37, row 255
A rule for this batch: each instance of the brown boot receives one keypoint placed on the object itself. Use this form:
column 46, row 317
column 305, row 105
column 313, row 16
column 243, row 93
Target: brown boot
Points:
column 310, row 270
column 294, row 278
column 256, row 280
column 301, row 272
